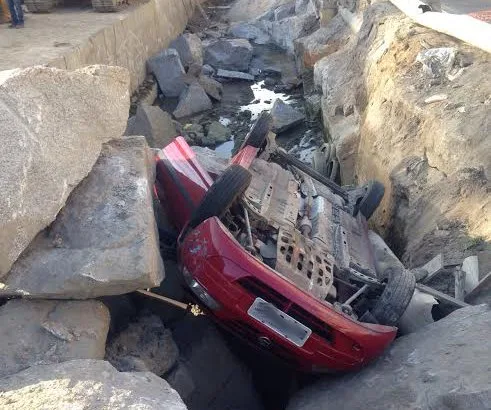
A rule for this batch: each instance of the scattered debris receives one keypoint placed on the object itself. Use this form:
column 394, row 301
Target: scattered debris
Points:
column 437, row 62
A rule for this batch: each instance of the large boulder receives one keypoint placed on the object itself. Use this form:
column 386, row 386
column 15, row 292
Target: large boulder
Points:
column 48, row 331
column 144, row 345
column 190, row 50
column 52, row 125
column 86, row 384
column 155, row 124
column 235, row 54
column 104, row 241
column 284, row 116
column 192, row 101
column 445, row 365
column 169, row 72
column 208, row 375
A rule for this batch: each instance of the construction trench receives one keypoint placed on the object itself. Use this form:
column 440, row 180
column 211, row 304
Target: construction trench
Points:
column 358, row 92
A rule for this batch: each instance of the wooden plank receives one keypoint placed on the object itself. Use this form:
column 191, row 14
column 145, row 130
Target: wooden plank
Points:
column 441, row 296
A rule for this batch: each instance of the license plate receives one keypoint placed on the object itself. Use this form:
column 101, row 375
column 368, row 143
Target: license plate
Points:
column 280, row 322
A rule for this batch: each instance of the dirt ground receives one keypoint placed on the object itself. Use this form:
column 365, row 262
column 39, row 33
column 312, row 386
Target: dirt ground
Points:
column 47, row 37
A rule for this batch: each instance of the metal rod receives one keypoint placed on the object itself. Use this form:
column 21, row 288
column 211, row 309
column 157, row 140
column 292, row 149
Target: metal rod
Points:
column 248, row 227
column 355, row 295
column 172, row 302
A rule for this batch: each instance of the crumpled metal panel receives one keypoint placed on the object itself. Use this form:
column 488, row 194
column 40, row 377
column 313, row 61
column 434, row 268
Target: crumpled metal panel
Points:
column 273, row 194
column 305, row 263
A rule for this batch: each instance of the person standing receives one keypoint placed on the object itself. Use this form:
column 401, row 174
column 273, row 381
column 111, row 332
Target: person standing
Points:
column 16, row 13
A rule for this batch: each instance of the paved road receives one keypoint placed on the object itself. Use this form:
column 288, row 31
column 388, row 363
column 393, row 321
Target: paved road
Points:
column 465, row 6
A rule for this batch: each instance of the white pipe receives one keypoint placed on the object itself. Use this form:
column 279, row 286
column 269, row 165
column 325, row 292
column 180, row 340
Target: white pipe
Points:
column 463, row 27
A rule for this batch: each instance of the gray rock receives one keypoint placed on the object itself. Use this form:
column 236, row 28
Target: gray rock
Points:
column 104, row 241
column 445, row 365
column 193, row 133
column 145, row 344
column 217, row 133
column 250, row 32
column 232, row 54
column 192, row 101
column 189, row 48
column 285, row 10
column 46, row 332
column 154, row 124
column 220, row 379
column 208, row 70
column 169, row 72
column 313, row 107
column 212, row 87
column 52, row 125
column 284, row 116
column 86, row 384
column 235, row 75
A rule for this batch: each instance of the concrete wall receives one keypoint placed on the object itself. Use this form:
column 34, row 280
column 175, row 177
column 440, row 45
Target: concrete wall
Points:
column 130, row 41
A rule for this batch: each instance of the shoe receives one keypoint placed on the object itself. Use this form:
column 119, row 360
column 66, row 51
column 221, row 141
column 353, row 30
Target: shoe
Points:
column 20, row 25
column 12, row 26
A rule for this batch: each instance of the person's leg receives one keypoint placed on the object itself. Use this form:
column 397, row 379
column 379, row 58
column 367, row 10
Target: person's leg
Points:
column 13, row 13
column 19, row 12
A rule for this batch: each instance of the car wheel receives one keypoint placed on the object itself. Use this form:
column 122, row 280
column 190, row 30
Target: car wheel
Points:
column 222, row 194
column 397, row 294
column 372, row 198
column 259, row 131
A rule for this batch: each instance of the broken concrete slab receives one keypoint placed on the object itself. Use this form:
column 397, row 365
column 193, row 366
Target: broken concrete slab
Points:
column 169, row 72
column 190, row 50
column 470, row 266
column 193, row 100
column 45, row 332
column 234, row 54
column 284, row 116
column 145, row 344
column 154, row 124
column 52, row 125
column 104, row 241
column 418, row 313
column 86, row 384
column 418, row 371
column 234, row 75
column 284, row 11
column 212, row 87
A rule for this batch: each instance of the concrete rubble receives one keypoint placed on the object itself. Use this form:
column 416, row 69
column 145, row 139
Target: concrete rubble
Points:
column 284, row 116
column 234, row 55
column 104, row 241
column 40, row 332
column 189, row 48
column 154, row 124
column 169, row 72
column 234, row 75
column 193, row 100
column 418, row 371
column 86, row 384
column 212, row 87
column 46, row 142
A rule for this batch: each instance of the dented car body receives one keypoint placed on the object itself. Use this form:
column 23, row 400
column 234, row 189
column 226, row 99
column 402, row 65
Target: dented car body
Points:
column 288, row 266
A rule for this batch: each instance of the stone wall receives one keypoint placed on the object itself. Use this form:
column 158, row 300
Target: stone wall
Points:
column 130, row 41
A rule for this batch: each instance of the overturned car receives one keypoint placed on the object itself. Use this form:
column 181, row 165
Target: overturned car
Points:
column 283, row 257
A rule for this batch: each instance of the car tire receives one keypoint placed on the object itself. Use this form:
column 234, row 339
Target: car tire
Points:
column 372, row 198
column 222, row 194
column 259, row 131
column 395, row 297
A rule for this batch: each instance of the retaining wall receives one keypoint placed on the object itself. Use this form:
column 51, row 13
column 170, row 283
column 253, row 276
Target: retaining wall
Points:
column 130, row 41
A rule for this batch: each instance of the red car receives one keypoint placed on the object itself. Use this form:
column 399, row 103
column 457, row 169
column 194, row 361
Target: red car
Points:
column 282, row 257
